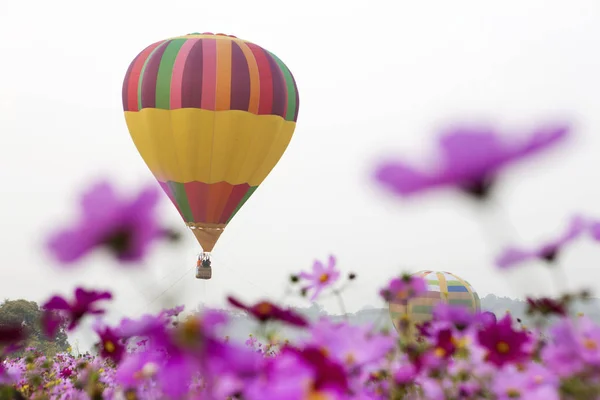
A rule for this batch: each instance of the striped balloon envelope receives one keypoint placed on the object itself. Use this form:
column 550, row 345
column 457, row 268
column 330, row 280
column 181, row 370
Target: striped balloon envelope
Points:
column 211, row 115
column 442, row 287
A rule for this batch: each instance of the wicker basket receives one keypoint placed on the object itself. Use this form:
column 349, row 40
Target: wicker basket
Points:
column 204, row 273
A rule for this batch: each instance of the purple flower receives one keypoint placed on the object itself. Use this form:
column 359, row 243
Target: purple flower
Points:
column 404, row 288
column 265, row 311
column 511, row 383
column 470, row 157
column 321, row 277
column 503, row 344
column 574, row 345
column 548, row 252
column 139, row 366
column 251, row 341
column 174, row 312
column 83, row 304
column 352, row 346
column 459, row 317
column 126, row 227
column 146, row 325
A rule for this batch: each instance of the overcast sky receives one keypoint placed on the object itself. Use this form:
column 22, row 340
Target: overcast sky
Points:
column 375, row 79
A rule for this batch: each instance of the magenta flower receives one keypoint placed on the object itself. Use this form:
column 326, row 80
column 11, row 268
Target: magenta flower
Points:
column 504, row 345
column 51, row 322
column 66, row 372
column 267, row 311
column 83, row 304
column 488, row 318
column 321, row 277
column 329, row 376
column 470, row 157
column 126, row 227
column 444, row 346
column 146, row 325
column 548, row 252
column 404, row 288
column 110, row 345
column 12, row 334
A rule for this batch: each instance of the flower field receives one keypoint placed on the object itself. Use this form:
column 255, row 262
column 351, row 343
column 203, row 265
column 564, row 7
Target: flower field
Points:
column 458, row 353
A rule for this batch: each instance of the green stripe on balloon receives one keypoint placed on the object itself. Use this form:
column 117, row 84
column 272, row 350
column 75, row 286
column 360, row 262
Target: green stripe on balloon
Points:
column 291, row 89
column 165, row 72
column 141, row 78
column 182, row 200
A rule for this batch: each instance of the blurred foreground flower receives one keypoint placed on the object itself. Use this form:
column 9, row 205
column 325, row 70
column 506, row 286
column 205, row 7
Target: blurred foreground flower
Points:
column 266, row 311
column 547, row 252
column 82, row 304
column 470, row 160
column 11, row 334
column 126, row 227
column 321, row 277
column 404, row 288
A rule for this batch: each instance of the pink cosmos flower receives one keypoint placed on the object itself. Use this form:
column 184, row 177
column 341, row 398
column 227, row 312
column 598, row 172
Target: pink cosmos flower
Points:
column 321, row 277
column 549, row 251
column 126, row 227
column 404, row 288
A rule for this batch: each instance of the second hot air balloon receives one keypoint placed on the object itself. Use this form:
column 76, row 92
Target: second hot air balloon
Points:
column 211, row 115
column 442, row 287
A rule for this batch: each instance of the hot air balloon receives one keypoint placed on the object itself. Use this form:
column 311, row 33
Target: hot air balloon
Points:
column 211, row 115
column 442, row 287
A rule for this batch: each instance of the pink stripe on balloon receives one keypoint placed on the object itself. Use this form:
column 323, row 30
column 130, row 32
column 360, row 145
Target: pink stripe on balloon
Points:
column 209, row 74
column 177, row 75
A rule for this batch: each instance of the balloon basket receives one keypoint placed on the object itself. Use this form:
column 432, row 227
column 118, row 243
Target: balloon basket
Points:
column 204, row 273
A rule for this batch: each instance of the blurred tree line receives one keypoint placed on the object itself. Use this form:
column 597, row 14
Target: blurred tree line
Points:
column 28, row 314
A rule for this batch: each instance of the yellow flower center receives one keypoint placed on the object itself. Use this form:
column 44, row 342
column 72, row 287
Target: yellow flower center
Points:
column 317, row 396
column 502, row 347
column 350, row 359
column 401, row 294
column 109, row 346
column 439, row 352
column 538, row 379
column 513, row 393
column 324, row 351
column 264, row 308
column 590, row 344
column 324, row 278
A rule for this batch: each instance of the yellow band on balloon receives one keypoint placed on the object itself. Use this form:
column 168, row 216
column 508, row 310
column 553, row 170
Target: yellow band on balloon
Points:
column 190, row 144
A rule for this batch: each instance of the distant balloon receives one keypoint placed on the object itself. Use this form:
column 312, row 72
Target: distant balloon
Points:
column 211, row 115
column 442, row 287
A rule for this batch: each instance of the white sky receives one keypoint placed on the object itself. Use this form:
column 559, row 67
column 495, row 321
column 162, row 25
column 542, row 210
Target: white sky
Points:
column 375, row 78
